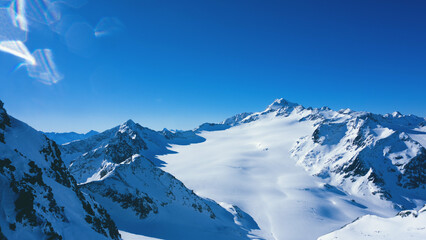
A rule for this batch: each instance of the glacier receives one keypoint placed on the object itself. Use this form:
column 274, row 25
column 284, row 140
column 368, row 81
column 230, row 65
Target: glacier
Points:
column 287, row 172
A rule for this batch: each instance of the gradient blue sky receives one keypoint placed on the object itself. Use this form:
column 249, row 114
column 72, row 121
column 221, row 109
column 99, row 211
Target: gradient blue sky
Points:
column 177, row 64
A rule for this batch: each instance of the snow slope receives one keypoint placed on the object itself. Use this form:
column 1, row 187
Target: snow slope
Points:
column 407, row 225
column 119, row 169
column 90, row 159
column 39, row 199
column 294, row 172
column 368, row 155
column 265, row 165
column 250, row 166
column 131, row 236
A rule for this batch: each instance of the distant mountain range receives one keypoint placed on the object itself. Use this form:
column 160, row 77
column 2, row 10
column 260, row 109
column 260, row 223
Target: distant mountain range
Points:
column 61, row 138
column 263, row 175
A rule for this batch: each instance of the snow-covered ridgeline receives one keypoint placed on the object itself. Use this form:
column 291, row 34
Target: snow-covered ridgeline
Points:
column 39, row 199
column 120, row 170
column 407, row 225
column 253, row 165
column 286, row 166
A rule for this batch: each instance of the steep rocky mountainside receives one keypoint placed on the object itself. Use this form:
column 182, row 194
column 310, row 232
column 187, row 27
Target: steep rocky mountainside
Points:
column 367, row 153
column 90, row 159
column 39, row 199
column 120, row 170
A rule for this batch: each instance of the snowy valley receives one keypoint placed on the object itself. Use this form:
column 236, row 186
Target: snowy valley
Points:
column 287, row 172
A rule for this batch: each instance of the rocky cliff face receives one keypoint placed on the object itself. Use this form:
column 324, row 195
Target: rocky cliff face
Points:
column 367, row 154
column 39, row 198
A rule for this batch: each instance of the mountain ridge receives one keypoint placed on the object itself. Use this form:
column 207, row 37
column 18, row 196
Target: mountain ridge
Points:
column 39, row 198
column 66, row 137
column 119, row 168
column 359, row 162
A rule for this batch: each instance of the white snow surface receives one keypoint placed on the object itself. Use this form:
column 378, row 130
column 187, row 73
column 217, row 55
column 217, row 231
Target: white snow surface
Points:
column 176, row 212
column 250, row 166
column 130, row 236
column 118, row 168
column 408, row 225
column 291, row 167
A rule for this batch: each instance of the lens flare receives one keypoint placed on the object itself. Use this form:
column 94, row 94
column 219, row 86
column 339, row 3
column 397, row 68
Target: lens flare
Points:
column 18, row 16
column 42, row 11
column 108, row 26
column 45, row 69
column 18, row 49
column 14, row 21
column 8, row 27
column 17, row 13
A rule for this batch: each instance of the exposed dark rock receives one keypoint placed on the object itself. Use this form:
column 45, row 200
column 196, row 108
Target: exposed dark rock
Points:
column 415, row 172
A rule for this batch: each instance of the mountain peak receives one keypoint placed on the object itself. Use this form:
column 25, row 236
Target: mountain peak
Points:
column 91, row 132
column 130, row 123
column 281, row 103
column 396, row 114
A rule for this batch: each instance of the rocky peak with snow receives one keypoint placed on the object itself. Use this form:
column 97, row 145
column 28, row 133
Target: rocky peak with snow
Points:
column 87, row 158
column 379, row 160
column 280, row 107
column 129, row 124
column 360, row 152
column 39, row 198
column 280, row 104
column 120, row 169
column 234, row 120
column 364, row 153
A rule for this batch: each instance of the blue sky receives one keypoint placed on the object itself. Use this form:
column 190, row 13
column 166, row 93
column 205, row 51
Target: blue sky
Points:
column 177, row 64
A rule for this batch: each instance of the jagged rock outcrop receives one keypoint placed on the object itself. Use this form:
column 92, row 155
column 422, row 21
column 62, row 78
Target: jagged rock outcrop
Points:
column 39, row 199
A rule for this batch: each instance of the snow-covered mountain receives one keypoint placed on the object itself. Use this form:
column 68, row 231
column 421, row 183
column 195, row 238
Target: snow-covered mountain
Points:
column 39, row 199
column 120, row 170
column 286, row 168
column 367, row 154
column 61, row 138
column 290, row 167
column 364, row 153
column 407, row 225
column 90, row 159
